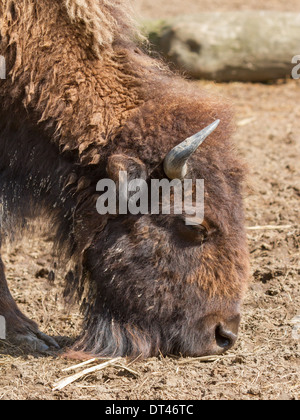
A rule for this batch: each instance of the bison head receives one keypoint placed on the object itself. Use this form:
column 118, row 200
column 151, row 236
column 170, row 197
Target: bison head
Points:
column 160, row 284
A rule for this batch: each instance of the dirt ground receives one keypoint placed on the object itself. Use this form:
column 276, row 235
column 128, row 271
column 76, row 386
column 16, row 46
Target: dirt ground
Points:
column 266, row 362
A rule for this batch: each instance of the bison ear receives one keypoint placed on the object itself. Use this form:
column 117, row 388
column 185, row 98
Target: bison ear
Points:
column 134, row 167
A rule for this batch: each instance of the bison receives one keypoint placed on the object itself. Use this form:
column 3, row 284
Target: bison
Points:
column 82, row 101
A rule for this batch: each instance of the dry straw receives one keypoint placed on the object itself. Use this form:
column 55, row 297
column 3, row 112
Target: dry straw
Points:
column 117, row 363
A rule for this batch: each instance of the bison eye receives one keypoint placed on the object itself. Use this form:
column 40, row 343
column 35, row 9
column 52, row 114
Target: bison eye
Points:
column 196, row 234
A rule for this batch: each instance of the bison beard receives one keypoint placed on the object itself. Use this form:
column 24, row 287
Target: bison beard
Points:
column 81, row 102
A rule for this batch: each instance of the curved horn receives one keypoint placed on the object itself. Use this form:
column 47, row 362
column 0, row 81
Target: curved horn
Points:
column 175, row 164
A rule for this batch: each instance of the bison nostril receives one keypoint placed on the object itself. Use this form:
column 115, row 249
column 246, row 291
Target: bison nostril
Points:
column 225, row 339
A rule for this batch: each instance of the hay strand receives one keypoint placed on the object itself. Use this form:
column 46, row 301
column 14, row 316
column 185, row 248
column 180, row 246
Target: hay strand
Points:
column 58, row 386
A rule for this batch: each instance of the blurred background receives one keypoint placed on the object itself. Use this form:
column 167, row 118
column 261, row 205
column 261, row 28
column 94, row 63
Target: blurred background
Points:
column 225, row 40
column 170, row 8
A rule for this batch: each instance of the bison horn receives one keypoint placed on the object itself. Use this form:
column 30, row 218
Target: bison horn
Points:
column 175, row 164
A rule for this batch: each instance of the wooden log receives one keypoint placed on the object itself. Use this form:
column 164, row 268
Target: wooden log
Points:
column 255, row 46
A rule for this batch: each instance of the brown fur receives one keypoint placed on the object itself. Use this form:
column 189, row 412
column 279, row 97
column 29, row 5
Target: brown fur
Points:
column 79, row 91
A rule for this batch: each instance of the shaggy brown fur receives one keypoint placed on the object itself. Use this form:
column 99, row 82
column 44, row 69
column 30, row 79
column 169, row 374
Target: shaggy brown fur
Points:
column 80, row 91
